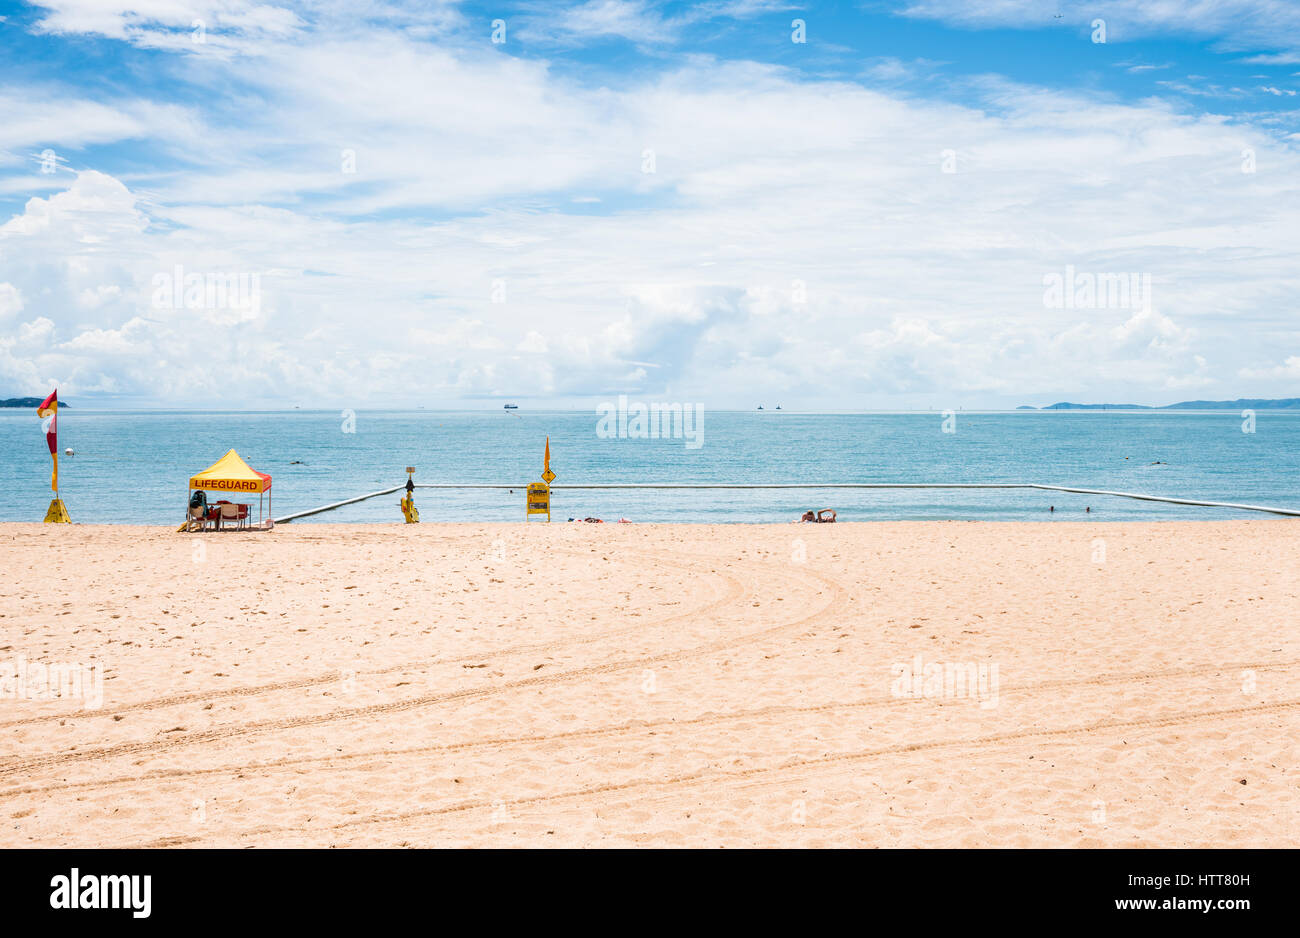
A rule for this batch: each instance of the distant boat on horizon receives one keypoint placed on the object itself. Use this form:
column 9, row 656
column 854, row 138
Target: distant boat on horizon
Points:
column 512, row 407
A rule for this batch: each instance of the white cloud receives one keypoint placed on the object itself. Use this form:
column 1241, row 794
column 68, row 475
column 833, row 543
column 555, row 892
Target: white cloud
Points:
column 533, row 342
column 627, row 19
column 11, row 300
column 639, row 21
column 1238, row 25
column 1151, row 330
column 1281, row 58
column 95, row 208
column 92, row 297
column 1289, row 370
column 469, row 165
column 175, row 24
column 35, row 332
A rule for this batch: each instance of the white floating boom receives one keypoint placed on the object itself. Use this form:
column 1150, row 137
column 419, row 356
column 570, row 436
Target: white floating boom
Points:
column 1291, row 512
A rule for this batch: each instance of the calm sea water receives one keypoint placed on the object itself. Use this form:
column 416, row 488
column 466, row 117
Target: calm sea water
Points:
column 133, row 467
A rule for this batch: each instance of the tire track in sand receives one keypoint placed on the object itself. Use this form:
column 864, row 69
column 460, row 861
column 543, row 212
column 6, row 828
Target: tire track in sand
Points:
column 735, row 591
column 839, row 597
column 705, row 775
column 613, row 730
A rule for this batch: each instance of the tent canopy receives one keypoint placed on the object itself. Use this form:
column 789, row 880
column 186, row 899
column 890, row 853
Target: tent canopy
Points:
column 231, row 474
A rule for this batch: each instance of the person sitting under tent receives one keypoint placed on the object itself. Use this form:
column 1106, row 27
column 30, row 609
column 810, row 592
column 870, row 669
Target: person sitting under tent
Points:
column 197, row 519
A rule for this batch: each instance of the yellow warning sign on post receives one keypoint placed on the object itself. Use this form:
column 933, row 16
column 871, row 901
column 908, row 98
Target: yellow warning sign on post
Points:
column 539, row 493
column 547, row 475
column 539, row 500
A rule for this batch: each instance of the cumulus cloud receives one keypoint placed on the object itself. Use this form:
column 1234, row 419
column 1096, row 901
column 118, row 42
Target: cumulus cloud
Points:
column 94, row 208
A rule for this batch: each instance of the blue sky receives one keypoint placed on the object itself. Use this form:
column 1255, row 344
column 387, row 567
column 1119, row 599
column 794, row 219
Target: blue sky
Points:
column 668, row 200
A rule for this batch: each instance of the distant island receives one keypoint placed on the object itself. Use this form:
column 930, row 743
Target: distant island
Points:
column 1244, row 403
column 27, row 402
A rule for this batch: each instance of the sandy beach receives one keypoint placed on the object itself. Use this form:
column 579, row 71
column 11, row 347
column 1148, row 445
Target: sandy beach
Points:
column 656, row 685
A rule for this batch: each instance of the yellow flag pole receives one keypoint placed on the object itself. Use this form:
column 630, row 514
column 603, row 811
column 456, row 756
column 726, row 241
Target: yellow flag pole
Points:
column 58, row 512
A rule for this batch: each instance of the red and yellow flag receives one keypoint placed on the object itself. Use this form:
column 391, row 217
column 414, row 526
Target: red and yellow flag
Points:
column 49, row 414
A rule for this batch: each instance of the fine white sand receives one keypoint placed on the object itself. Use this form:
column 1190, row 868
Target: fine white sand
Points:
column 661, row 685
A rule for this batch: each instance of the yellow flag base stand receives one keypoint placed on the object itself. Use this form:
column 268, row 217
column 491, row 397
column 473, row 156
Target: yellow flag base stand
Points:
column 58, row 513
column 409, row 511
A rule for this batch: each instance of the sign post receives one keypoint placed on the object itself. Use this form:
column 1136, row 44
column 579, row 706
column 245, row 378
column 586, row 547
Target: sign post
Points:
column 539, row 493
column 539, row 500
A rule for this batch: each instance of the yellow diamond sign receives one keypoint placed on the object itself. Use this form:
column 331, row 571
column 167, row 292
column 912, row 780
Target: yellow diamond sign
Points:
column 549, row 476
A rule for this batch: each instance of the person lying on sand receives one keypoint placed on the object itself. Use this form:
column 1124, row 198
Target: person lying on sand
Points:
column 818, row 517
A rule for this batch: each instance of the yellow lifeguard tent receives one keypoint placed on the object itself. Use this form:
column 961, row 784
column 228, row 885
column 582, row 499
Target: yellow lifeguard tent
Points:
column 231, row 474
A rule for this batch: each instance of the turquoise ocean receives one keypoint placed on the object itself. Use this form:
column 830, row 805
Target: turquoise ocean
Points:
column 133, row 467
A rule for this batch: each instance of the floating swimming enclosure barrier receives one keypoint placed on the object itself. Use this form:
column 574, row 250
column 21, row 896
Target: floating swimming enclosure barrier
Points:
column 333, row 505
column 614, row 486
